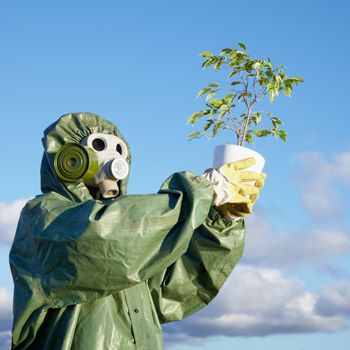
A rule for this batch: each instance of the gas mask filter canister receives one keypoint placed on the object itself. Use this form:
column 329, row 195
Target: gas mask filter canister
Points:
column 100, row 161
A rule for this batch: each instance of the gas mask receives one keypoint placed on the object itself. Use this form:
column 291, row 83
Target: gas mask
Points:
column 99, row 160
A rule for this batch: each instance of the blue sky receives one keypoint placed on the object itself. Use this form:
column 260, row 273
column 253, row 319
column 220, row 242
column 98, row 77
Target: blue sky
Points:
column 137, row 64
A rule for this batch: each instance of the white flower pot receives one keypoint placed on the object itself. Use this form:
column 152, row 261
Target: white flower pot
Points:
column 229, row 153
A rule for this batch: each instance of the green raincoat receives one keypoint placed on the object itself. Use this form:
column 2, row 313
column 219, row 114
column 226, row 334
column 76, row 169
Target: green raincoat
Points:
column 104, row 274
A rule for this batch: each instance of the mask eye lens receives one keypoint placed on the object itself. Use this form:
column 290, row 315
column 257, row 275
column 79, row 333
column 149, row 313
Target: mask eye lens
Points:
column 119, row 149
column 98, row 144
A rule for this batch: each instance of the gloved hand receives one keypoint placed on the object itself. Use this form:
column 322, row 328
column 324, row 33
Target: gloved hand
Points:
column 234, row 195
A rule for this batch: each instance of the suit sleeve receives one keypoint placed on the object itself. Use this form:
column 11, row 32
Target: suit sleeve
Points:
column 195, row 278
column 82, row 251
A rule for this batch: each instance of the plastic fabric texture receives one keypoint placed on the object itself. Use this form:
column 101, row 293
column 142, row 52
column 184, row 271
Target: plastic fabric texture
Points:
column 99, row 275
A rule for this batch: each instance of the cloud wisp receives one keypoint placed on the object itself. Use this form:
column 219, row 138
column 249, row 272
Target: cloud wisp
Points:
column 5, row 340
column 9, row 214
column 322, row 182
column 259, row 302
column 335, row 300
column 268, row 246
column 5, row 318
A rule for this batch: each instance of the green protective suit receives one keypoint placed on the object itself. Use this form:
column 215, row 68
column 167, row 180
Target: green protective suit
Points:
column 92, row 274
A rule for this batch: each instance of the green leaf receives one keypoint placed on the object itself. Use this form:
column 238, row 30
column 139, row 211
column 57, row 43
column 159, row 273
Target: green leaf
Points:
column 297, row 80
column 262, row 133
column 213, row 112
column 276, row 122
column 235, row 83
column 217, row 127
column 213, row 84
column 215, row 103
column 206, row 54
column 226, row 50
column 274, row 132
column 256, row 65
column 203, row 91
column 242, row 46
column 228, row 98
column 278, row 82
column 232, row 74
column 241, row 54
column 249, row 138
column 233, row 54
column 208, row 125
column 280, row 71
column 210, row 95
column 217, row 65
column 257, row 118
column 194, row 135
column 222, row 114
column 195, row 116
column 224, row 108
column 272, row 90
column 287, row 91
column 263, row 81
column 283, row 135
column 207, row 63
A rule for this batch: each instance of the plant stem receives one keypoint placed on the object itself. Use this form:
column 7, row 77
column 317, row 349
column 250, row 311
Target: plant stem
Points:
column 235, row 126
column 247, row 122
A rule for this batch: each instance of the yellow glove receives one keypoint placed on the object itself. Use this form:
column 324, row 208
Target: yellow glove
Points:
column 243, row 194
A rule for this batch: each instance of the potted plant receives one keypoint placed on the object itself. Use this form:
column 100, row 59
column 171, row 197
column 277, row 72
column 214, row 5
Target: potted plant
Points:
column 232, row 105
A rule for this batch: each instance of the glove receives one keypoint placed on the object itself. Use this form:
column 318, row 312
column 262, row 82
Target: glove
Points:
column 235, row 191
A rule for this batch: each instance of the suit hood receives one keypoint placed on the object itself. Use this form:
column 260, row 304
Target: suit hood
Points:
column 73, row 128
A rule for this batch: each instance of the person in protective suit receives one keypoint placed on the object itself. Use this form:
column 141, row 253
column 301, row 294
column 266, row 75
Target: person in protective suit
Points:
column 95, row 268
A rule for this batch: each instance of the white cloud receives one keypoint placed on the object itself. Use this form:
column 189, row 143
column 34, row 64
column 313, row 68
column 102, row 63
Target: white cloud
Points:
column 335, row 299
column 268, row 246
column 5, row 317
column 5, row 340
column 258, row 302
column 5, row 301
column 321, row 182
column 9, row 214
column 342, row 167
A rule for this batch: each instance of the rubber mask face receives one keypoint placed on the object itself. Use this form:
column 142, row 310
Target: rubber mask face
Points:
column 111, row 154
